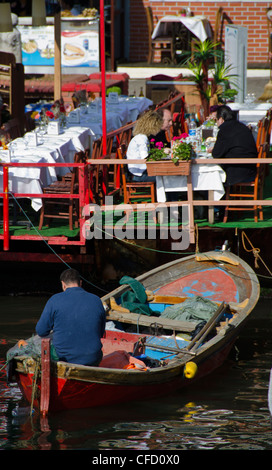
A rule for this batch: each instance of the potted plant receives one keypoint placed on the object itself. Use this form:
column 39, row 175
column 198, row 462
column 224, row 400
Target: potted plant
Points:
column 207, row 59
column 166, row 161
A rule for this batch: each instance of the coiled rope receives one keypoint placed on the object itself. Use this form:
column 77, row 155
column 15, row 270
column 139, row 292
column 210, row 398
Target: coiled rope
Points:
column 255, row 251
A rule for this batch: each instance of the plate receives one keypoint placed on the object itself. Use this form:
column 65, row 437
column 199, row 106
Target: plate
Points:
column 73, row 54
column 79, row 18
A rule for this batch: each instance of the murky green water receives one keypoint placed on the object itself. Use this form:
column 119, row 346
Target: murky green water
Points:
column 226, row 411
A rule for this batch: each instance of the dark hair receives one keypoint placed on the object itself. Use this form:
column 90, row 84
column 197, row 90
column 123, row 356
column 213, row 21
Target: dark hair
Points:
column 70, row 276
column 225, row 112
column 214, row 108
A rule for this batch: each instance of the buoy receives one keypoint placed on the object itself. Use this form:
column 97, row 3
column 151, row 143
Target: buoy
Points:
column 190, row 370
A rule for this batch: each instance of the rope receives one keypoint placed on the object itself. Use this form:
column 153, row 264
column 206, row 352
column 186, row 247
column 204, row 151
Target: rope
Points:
column 3, row 367
column 143, row 247
column 34, row 385
column 255, row 252
column 197, row 238
column 50, row 247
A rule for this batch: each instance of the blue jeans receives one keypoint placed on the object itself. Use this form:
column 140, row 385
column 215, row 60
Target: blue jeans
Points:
column 144, row 178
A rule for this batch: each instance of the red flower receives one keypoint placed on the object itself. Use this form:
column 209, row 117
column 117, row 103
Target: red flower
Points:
column 49, row 114
column 159, row 145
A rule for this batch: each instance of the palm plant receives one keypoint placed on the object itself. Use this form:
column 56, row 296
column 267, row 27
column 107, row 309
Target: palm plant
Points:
column 206, row 54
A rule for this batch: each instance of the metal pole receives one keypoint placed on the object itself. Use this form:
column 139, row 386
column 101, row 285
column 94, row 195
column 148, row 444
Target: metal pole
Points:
column 5, row 209
column 103, row 77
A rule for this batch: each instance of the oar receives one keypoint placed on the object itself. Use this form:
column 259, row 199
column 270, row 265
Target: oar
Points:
column 168, row 348
column 198, row 339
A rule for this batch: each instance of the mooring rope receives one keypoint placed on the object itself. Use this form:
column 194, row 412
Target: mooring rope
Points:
column 51, row 248
column 34, row 385
column 255, row 251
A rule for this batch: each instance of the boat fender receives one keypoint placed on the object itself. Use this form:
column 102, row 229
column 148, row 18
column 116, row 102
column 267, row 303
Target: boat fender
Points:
column 190, row 370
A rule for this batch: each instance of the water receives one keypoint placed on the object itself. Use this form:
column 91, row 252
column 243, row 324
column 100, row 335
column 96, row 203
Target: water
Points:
column 226, row 411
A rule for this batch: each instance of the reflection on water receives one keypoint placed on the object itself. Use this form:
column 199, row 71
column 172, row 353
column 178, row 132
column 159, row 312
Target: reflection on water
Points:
column 227, row 410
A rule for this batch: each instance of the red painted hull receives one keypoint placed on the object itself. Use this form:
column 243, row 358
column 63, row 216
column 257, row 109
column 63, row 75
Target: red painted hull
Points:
column 73, row 394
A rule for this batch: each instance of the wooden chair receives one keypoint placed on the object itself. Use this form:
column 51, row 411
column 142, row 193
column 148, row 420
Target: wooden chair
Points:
column 135, row 193
column 263, row 134
column 66, row 208
column 218, row 28
column 163, row 43
column 249, row 191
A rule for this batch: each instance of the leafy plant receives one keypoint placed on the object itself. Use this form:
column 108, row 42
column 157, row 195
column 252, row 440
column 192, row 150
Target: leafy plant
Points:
column 207, row 58
column 158, row 151
column 181, row 150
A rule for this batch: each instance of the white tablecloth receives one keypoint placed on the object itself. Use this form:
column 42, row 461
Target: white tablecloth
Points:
column 250, row 114
column 117, row 114
column 198, row 25
column 53, row 149
column 204, row 178
column 23, row 180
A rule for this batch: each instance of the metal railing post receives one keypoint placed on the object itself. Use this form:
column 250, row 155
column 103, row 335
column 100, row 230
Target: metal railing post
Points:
column 5, row 209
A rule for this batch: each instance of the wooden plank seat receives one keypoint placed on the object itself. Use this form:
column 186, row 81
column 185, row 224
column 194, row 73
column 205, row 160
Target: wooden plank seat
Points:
column 149, row 321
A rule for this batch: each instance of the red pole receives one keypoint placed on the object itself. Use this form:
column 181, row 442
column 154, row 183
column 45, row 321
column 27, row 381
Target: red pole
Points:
column 45, row 376
column 5, row 209
column 103, row 77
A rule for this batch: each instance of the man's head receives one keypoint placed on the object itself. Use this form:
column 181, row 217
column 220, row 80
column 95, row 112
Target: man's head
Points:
column 167, row 118
column 224, row 113
column 70, row 278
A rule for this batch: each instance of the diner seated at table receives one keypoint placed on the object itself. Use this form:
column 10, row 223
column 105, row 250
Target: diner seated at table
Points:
column 150, row 123
column 234, row 140
column 161, row 136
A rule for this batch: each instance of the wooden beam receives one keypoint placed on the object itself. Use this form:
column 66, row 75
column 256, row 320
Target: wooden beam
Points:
column 45, row 376
column 57, row 59
column 145, row 320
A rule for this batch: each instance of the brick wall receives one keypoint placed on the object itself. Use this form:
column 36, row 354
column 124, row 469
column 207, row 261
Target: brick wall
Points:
column 249, row 14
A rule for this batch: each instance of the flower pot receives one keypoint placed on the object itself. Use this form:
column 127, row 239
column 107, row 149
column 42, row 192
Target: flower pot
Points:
column 164, row 168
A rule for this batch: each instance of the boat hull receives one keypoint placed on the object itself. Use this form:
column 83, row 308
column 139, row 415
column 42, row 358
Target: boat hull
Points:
column 68, row 394
column 215, row 277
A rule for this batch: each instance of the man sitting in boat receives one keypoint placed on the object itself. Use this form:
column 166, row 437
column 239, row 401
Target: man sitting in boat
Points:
column 77, row 320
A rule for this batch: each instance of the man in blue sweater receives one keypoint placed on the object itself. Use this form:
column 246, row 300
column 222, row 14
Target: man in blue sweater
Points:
column 77, row 319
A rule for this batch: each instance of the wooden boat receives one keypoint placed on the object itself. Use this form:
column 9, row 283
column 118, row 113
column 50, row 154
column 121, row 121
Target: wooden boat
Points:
column 270, row 393
column 152, row 365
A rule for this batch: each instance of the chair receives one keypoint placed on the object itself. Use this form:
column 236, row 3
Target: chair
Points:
column 218, row 28
column 135, row 193
column 66, row 208
column 163, row 43
column 263, row 134
column 249, row 191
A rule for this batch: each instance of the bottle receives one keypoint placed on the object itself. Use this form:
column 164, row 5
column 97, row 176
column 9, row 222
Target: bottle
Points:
column 141, row 94
column 192, row 129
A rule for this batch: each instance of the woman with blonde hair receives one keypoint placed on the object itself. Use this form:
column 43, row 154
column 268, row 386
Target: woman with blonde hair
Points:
column 148, row 124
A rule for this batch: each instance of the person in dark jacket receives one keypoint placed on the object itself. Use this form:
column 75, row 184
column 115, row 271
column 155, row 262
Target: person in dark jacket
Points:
column 77, row 320
column 234, row 140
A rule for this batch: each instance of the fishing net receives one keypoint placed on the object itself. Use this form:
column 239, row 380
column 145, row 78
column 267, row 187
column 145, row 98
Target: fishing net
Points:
column 192, row 309
column 29, row 347
column 135, row 299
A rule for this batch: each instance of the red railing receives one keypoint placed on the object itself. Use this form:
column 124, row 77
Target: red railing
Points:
column 82, row 196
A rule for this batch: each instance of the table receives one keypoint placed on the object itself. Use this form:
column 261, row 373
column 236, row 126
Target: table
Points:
column 250, row 114
column 203, row 178
column 117, row 114
column 52, row 149
column 198, row 25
